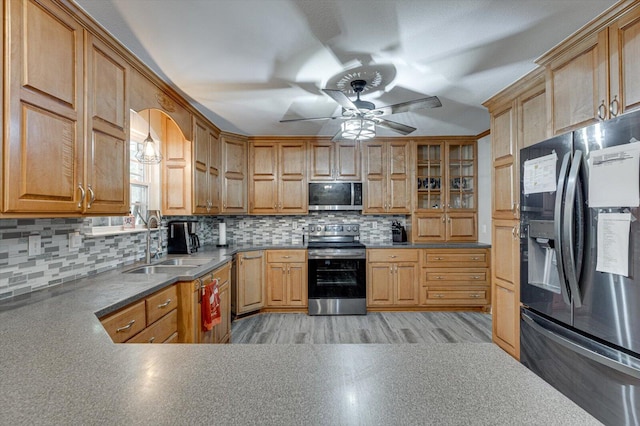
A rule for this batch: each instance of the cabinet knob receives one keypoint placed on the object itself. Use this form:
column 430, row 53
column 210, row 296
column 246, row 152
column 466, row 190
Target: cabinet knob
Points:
column 125, row 327
column 614, row 107
column 82, row 194
column 602, row 111
column 92, row 196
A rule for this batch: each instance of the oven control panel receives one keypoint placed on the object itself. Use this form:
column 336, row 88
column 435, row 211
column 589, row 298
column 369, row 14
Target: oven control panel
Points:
column 334, row 230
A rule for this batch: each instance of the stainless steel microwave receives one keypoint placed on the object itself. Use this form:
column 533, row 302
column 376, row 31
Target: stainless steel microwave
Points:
column 335, row 196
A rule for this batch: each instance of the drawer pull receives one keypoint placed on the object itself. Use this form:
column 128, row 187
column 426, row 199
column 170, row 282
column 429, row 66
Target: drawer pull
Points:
column 393, row 256
column 152, row 339
column 286, row 257
column 165, row 304
column 125, row 327
column 475, row 258
column 439, row 296
column 474, row 296
column 439, row 278
column 252, row 257
column 439, row 258
column 475, row 278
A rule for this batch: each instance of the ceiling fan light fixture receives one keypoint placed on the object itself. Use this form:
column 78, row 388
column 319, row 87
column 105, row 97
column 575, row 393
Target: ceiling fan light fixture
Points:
column 148, row 150
column 358, row 129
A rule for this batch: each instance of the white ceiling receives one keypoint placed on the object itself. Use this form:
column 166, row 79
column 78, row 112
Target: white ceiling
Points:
column 249, row 63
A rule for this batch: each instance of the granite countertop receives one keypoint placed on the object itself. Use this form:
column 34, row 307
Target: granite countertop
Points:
column 59, row 366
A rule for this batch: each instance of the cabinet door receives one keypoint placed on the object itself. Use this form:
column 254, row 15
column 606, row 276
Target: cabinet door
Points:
column 223, row 330
column 263, row 178
column 461, row 227
column 379, row 284
column 347, row 161
column 624, row 48
column 213, row 183
column 107, row 147
column 462, row 174
column 429, row 227
column 374, row 187
column 201, row 201
column 505, row 163
column 399, row 188
column 297, row 284
column 46, row 108
column 576, row 85
column 293, row 198
column 505, row 285
column 176, row 170
column 234, row 175
column 321, row 161
column 250, row 282
column 276, row 284
column 406, row 283
column 429, row 177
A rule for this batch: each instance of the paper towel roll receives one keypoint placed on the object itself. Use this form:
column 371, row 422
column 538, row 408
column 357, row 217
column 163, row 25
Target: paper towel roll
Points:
column 222, row 232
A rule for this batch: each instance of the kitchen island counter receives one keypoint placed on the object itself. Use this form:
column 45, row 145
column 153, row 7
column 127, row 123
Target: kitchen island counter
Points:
column 59, row 366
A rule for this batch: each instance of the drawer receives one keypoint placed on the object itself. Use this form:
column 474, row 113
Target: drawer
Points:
column 457, row 276
column 392, row 255
column 456, row 258
column 223, row 274
column 126, row 323
column 158, row 304
column 159, row 331
column 285, row 256
column 468, row 297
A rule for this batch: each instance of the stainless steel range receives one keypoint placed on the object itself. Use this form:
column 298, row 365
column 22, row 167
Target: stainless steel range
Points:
column 337, row 270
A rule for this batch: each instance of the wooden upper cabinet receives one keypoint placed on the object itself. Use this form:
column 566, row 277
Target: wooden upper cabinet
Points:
column 43, row 148
column 107, row 147
column 277, row 177
column 176, row 169
column 234, row 174
column 329, row 161
column 206, row 158
column 386, row 169
column 624, row 59
column 576, row 85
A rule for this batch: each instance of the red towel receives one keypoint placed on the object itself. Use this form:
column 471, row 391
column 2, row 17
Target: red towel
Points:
column 210, row 306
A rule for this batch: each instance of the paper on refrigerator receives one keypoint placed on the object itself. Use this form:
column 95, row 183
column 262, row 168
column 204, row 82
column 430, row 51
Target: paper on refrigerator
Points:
column 613, row 243
column 613, row 176
column 540, row 174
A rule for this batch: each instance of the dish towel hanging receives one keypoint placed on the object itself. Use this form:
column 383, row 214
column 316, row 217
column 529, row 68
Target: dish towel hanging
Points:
column 210, row 306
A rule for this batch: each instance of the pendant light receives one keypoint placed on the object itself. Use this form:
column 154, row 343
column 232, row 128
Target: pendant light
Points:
column 148, row 151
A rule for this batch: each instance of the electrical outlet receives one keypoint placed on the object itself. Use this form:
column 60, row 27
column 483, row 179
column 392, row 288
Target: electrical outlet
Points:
column 294, row 225
column 374, row 225
column 484, row 228
column 34, row 245
column 75, row 241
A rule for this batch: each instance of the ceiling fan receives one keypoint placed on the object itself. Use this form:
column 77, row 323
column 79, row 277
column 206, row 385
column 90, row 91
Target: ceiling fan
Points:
column 361, row 117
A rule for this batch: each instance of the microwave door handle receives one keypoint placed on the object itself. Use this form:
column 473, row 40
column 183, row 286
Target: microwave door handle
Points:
column 568, row 236
column 557, row 228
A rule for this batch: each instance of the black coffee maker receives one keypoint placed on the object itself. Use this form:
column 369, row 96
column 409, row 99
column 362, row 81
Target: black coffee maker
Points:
column 182, row 237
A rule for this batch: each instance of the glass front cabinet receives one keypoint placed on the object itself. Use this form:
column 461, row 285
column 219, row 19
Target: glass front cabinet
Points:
column 445, row 190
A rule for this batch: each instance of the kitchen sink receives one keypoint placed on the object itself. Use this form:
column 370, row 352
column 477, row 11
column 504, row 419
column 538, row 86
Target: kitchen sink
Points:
column 182, row 261
column 161, row 269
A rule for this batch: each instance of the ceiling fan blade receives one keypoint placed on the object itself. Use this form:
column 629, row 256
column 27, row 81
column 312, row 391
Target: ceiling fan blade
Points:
column 340, row 98
column 337, row 137
column 309, row 119
column 403, row 129
column 430, row 102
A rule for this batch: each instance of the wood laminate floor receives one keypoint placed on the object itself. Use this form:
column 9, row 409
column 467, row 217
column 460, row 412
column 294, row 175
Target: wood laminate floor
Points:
column 375, row 327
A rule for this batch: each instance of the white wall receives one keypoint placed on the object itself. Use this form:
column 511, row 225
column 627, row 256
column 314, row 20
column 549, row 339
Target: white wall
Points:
column 484, row 190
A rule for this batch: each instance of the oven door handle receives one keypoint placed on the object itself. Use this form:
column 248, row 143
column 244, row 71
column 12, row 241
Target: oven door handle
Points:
column 351, row 255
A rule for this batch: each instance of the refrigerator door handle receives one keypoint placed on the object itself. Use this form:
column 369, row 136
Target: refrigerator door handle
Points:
column 557, row 228
column 568, row 237
column 601, row 354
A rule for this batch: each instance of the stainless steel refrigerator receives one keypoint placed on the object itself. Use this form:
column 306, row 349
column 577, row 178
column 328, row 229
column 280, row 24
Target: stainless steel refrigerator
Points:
column 580, row 328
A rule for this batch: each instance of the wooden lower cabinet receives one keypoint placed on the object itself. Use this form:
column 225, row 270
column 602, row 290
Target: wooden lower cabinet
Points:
column 392, row 277
column 247, row 285
column 287, row 279
column 189, row 313
column 152, row 320
column 456, row 278
column 505, row 283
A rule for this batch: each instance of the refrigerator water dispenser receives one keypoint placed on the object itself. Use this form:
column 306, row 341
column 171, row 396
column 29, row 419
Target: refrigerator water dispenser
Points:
column 543, row 271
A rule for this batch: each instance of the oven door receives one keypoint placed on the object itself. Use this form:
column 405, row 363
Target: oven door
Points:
column 337, row 278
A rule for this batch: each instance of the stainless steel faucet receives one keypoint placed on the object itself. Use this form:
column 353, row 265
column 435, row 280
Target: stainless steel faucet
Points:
column 147, row 224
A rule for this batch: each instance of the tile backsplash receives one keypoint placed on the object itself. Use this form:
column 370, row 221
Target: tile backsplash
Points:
column 21, row 273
